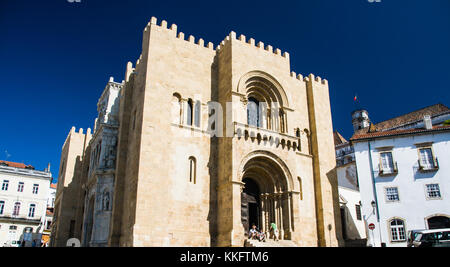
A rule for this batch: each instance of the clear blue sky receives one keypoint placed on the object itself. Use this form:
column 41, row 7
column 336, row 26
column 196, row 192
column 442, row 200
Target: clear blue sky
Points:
column 56, row 56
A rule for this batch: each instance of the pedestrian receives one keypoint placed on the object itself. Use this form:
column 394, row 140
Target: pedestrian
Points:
column 274, row 230
column 253, row 232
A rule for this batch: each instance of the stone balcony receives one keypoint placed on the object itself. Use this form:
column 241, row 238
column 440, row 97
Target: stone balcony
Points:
column 267, row 137
column 20, row 218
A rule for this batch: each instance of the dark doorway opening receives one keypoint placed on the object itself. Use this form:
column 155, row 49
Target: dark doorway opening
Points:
column 438, row 222
column 250, row 205
column 344, row 223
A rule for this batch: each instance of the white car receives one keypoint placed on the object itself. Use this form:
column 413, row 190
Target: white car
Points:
column 432, row 238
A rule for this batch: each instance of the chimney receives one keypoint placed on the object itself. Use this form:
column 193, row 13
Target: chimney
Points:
column 427, row 122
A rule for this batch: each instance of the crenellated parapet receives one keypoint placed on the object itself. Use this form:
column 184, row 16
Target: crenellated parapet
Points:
column 251, row 42
column 232, row 36
column 179, row 35
column 312, row 78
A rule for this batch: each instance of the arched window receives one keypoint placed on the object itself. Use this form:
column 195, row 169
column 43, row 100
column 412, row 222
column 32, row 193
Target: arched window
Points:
column 253, row 112
column 398, row 233
column 190, row 111
column 282, row 122
column 177, row 108
column 197, row 113
column 192, row 170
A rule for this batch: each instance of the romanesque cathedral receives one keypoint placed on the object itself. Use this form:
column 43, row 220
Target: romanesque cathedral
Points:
column 196, row 145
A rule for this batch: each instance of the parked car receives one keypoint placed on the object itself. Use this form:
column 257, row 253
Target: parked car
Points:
column 432, row 238
column 412, row 234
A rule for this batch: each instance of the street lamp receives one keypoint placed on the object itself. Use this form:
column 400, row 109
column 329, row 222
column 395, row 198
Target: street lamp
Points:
column 374, row 205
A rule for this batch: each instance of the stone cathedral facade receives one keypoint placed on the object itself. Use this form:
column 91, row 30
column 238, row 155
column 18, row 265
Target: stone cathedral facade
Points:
column 197, row 144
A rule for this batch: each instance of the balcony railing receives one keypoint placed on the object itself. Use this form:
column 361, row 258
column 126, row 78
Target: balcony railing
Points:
column 388, row 171
column 20, row 218
column 429, row 168
column 261, row 134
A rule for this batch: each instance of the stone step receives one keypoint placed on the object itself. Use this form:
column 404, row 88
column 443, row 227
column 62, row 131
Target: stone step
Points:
column 269, row 243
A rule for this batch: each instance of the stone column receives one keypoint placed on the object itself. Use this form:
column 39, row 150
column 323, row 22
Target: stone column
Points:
column 289, row 217
column 183, row 103
column 280, row 212
column 267, row 214
column 262, row 216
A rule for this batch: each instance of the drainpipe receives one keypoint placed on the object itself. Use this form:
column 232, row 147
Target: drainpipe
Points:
column 374, row 189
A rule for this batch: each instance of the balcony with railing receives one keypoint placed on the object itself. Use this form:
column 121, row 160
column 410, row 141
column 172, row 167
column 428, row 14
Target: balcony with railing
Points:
column 430, row 166
column 20, row 218
column 273, row 138
column 388, row 171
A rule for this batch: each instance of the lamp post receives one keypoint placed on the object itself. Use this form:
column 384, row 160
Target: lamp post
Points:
column 374, row 205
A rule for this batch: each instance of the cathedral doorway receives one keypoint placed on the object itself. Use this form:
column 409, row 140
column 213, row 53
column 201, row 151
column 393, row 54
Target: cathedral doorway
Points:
column 250, row 205
column 266, row 197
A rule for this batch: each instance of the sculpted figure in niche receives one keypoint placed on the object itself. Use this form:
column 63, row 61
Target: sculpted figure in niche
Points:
column 106, row 201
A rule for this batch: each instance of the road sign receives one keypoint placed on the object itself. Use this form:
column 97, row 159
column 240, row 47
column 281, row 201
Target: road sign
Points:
column 371, row 226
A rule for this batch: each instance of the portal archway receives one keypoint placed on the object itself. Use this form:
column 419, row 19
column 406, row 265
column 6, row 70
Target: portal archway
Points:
column 265, row 174
column 438, row 222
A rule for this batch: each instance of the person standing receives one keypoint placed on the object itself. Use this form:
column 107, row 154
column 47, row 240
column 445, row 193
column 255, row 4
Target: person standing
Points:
column 274, row 230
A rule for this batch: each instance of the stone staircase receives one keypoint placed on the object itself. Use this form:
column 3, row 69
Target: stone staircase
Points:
column 269, row 243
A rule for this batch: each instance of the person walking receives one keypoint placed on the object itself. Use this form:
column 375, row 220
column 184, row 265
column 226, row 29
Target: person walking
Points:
column 274, row 230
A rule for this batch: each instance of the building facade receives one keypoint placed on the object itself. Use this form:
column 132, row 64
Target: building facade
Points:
column 353, row 226
column 23, row 203
column 49, row 215
column 198, row 143
column 403, row 171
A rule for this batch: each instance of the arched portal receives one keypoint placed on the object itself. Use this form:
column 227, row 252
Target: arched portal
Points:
column 438, row 222
column 266, row 196
column 250, row 205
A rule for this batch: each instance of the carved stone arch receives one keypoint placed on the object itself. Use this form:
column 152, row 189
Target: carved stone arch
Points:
column 274, row 159
column 262, row 79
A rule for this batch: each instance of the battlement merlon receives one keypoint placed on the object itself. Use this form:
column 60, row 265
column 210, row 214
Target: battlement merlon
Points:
column 174, row 32
column 251, row 42
column 231, row 37
column 312, row 78
column 80, row 132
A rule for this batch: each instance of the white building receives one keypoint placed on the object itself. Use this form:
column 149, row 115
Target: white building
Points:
column 403, row 167
column 353, row 227
column 49, row 214
column 23, row 203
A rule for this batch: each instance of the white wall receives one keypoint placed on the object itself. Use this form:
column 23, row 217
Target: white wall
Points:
column 414, row 207
column 11, row 196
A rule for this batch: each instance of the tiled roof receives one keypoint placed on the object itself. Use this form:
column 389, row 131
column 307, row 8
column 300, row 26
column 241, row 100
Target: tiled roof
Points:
column 407, row 118
column 15, row 164
column 339, row 139
column 53, row 186
column 362, row 136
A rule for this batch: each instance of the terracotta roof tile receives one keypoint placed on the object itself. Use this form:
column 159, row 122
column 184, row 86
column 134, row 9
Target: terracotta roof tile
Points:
column 361, row 136
column 15, row 164
column 407, row 118
column 339, row 139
